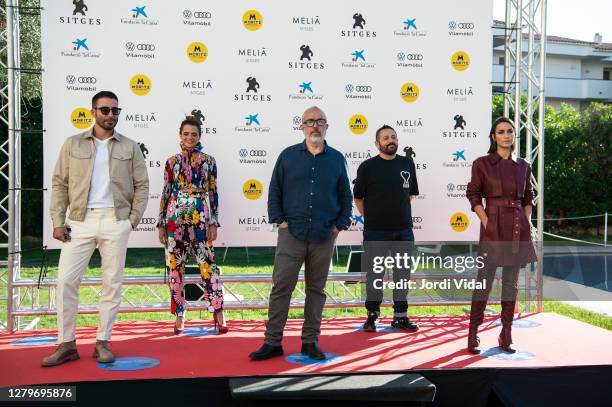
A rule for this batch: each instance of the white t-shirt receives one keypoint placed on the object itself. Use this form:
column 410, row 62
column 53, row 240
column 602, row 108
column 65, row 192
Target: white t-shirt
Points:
column 100, row 195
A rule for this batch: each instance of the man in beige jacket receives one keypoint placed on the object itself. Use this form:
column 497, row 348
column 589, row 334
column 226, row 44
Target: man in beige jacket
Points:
column 101, row 179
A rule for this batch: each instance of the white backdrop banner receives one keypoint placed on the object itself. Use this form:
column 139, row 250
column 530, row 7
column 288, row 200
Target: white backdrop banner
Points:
column 248, row 69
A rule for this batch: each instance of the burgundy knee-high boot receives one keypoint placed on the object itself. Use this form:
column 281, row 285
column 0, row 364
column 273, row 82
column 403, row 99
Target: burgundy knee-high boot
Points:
column 505, row 337
column 476, row 317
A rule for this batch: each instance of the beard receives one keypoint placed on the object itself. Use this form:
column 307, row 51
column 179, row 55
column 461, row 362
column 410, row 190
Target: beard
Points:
column 315, row 138
column 389, row 149
column 107, row 124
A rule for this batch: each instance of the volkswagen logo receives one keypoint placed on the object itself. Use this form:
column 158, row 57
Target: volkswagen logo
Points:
column 349, row 88
column 130, row 46
column 450, row 187
column 87, row 79
column 401, row 56
column 70, row 79
column 452, row 25
column 297, row 120
column 363, row 88
column 243, row 152
column 145, row 47
column 187, row 14
column 148, row 221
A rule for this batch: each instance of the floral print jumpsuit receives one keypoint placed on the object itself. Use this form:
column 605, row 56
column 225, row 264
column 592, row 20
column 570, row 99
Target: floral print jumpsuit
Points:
column 187, row 216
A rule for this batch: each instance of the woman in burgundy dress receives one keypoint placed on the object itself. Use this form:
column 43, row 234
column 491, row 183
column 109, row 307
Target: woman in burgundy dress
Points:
column 505, row 232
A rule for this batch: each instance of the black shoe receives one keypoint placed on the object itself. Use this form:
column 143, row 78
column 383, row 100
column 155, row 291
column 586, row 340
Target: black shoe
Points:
column 370, row 324
column 313, row 351
column 404, row 323
column 266, row 351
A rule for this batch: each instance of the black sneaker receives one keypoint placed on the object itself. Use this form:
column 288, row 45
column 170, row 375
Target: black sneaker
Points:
column 370, row 324
column 404, row 324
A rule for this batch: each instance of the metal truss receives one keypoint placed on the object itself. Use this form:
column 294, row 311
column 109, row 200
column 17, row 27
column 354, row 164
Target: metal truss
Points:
column 524, row 74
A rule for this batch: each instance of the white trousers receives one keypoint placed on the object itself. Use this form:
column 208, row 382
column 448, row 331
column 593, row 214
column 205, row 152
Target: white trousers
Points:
column 100, row 228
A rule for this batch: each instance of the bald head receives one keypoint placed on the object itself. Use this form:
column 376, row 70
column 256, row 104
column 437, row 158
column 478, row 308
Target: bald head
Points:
column 314, row 125
column 314, row 110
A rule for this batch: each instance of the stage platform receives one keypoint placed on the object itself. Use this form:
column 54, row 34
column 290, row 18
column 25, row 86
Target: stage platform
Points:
column 148, row 350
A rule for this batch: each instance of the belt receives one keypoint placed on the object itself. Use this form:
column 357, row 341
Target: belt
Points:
column 517, row 205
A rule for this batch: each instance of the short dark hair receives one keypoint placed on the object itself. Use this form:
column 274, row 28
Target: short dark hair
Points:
column 191, row 121
column 384, row 127
column 493, row 145
column 103, row 94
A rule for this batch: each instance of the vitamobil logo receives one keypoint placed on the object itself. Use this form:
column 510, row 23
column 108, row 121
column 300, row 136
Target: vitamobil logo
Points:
column 197, row 18
column 460, row 94
column 358, row 28
column 459, row 222
column 140, row 120
column 357, row 157
column 139, row 15
column 456, row 190
column 81, row 118
column 81, row 48
column 410, row 153
column 252, row 92
column 252, row 156
column 253, row 55
column 253, row 224
column 410, row 28
column 460, row 129
column 417, row 222
column 461, row 28
column 358, row 124
column 79, row 15
column 360, row 91
column 409, row 59
column 408, row 126
column 252, row 20
column 81, row 83
column 252, row 189
column 252, row 124
column 306, row 91
column 460, row 61
column 140, row 85
column 358, row 60
column 306, row 23
column 197, row 87
column 409, row 92
column 197, row 52
column 306, row 56
column 199, row 116
column 140, row 50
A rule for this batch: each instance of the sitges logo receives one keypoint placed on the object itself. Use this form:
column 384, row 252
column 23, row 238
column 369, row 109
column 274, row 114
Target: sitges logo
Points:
column 80, row 12
column 460, row 129
column 252, row 92
column 145, row 154
column 306, row 56
column 359, row 29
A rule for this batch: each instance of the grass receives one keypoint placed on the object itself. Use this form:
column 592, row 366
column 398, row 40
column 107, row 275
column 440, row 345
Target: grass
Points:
column 260, row 260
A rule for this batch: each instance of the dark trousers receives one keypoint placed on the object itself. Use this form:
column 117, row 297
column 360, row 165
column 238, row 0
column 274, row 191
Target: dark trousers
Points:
column 291, row 253
column 508, row 295
column 400, row 296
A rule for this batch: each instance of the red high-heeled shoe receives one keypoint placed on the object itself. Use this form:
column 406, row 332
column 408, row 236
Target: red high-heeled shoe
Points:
column 222, row 329
column 178, row 331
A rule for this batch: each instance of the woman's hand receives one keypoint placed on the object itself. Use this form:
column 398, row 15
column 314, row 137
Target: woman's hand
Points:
column 163, row 235
column 212, row 233
column 482, row 215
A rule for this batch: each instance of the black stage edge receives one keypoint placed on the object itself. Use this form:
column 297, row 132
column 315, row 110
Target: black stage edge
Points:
column 525, row 387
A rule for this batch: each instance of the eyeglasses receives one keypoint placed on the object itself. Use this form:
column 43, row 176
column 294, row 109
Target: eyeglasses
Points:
column 312, row 122
column 106, row 110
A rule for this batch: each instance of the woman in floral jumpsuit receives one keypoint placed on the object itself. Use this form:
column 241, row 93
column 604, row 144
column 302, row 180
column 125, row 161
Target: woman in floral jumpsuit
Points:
column 188, row 221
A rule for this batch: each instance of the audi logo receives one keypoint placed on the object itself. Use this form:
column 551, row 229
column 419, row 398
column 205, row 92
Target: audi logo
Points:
column 252, row 153
column 130, row 46
column 417, row 219
column 466, row 26
column 71, row 79
column 409, row 57
column 363, row 88
column 148, row 221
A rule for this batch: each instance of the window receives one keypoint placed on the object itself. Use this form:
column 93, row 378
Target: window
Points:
column 502, row 60
column 607, row 75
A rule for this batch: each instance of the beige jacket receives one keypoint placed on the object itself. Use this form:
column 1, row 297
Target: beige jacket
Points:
column 72, row 178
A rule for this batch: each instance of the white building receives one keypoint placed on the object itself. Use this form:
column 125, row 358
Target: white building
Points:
column 577, row 72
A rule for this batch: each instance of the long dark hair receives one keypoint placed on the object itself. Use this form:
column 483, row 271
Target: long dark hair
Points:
column 191, row 121
column 502, row 119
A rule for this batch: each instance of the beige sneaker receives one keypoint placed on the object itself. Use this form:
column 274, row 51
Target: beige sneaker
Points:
column 65, row 352
column 102, row 352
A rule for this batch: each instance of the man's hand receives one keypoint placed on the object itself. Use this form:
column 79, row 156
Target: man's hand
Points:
column 61, row 233
column 283, row 225
column 335, row 230
column 212, row 233
column 163, row 235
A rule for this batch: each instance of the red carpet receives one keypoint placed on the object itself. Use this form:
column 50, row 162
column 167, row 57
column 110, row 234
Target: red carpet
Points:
column 553, row 340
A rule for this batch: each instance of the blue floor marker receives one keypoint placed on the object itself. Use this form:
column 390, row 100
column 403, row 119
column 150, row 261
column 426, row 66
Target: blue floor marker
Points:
column 521, row 323
column 497, row 353
column 379, row 328
column 200, row 331
column 136, row 363
column 35, row 341
column 300, row 359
